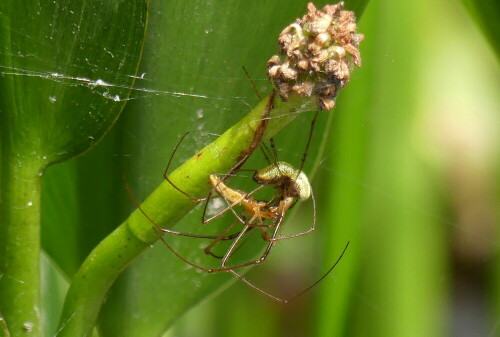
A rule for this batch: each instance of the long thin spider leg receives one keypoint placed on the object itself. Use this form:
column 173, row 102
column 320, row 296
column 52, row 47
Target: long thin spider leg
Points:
column 194, row 265
column 311, row 131
column 263, row 146
column 237, row 247
column 253, row 146
column 166, row 230
column 262, row 257
column 312, row 229
column 321, row 278
column 254, row 87
column 254, row 287
column 165, row 175
column 229, row 207
column 231, row 250
column 300, row 293
column 278, row 223
column 204, row 220
column 242, row 242
column 208, row 270
column 208, row 249
column 264, row 234
column 265, row 152
column 275, row 151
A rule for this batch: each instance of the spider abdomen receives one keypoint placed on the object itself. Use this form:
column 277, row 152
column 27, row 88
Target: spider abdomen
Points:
column 285, row 177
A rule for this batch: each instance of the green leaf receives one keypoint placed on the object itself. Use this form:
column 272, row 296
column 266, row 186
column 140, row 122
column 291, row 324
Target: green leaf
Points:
column 56, row 61
column 54, row 288
column 191, row 80
column 485, row 12
column 399, row 250
column 341, row 200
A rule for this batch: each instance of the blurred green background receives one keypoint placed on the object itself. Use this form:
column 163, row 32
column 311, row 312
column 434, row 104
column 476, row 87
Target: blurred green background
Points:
column 405, row 168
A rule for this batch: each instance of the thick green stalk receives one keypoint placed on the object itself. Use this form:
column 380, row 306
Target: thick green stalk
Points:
column 4, row 330
column 20, row 243
column 166, row 205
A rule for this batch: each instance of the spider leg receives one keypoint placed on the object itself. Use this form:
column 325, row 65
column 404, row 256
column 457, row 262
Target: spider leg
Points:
column 194, row 265
column 232, row 249
column 300, row 293
column 264, row 255
column 229, row 207
column 312, row 229
column 254, row 87
column 165, row 175
column 272, row 242
column 208, row 249
column 306, row 151
column 166, row 230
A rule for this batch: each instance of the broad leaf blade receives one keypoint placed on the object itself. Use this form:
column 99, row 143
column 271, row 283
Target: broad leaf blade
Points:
column 56, row 60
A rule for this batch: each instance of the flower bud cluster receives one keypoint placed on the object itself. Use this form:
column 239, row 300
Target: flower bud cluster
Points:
column 316, row 54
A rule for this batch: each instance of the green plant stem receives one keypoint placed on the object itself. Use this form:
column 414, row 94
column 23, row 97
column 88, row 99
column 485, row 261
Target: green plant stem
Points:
column 20, row 242
column 4, row 330
column 167, row 206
